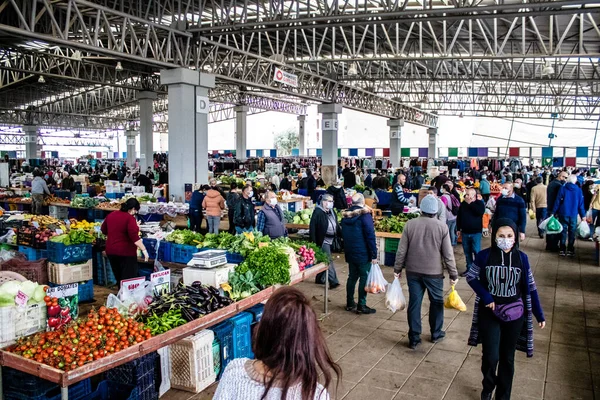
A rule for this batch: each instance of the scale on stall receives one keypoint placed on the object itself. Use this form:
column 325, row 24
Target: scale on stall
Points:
column 208, row 259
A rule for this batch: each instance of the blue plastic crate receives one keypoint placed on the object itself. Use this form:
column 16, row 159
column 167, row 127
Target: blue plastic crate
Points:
column 85, row 290
column 224, row 336
column 242, row 346
column 389, row 259
column 21, row 386
column 63, row 194
column 146, row 272
column 234, row 258
column 115, row 195
column 94, row 214
column 181, row 253
column 100, row 264
column 164, row 251
column 109, row 390
column 33, row 254
column 59, row 253
column 257, row 312
column 140, row 373
column 216, row 356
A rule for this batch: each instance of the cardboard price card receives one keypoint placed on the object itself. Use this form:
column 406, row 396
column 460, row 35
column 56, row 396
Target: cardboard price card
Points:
column 161, row 281
column 131, row 284
column 63, row 306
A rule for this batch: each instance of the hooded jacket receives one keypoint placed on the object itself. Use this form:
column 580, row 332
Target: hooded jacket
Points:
column 339, row 197
column 360, row 244
column 213, row 203
column 569, row 201
column 552, row 193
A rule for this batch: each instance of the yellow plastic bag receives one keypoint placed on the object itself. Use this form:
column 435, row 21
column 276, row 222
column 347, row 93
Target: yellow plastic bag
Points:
column 454, row 301
column 531, row 214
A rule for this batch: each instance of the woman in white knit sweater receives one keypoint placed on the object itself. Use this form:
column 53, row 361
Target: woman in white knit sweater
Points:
column 290, row 351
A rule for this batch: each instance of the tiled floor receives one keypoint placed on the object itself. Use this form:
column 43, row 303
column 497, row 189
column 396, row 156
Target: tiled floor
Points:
column 377, row 363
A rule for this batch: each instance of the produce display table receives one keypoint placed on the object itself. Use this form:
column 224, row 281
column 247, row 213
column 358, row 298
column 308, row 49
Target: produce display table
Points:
column 297, row 226
column 293, row 204
column 65, row 379
column 388, row 235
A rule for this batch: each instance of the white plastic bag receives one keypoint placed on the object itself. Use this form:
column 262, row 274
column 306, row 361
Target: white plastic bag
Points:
column 376, row 283
column 543, row 224
column 583, row 230
column 589, row 217
column 394, row 298
column 137, row 300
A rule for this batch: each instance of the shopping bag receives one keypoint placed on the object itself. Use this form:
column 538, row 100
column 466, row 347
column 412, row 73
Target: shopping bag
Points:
column 394, row 298
column 583, row 230
column 554, row 226
column 454, row 301
column 531, row 214
column 544, row 223
column 376, row 283
column 589, row 217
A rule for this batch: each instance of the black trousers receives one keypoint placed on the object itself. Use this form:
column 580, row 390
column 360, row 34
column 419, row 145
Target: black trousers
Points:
column 195, row 220
column 499, row 343
column 124, row 267
column 552, row 242
column 231, row 224
column 485, row 197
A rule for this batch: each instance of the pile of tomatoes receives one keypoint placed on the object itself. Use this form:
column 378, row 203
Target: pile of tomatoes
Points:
column 83, row 340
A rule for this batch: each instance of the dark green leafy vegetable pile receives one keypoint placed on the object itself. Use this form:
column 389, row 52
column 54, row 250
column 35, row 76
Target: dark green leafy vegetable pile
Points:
column 75, row 236
column 394, row 224
column 242, row 285
column 246, row 243
column 222, row 240
column 269, row 266
column 185, row 236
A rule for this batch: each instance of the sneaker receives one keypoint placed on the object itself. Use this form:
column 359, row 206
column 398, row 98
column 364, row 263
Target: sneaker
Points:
column 441, row 337
column 486, row 396
column 333, row 286
column 365, row 310
column 570, row 254
column 351, row 308
column 464, row 274
column 414, row 345
column 562, row 253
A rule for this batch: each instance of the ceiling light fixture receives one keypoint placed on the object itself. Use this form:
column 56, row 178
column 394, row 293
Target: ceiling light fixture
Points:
column 76, row 55
column 41, row 79
column 548, row 69
column 119, row 67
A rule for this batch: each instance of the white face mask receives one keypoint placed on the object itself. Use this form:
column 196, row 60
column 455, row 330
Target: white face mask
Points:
column 329, row 205
column 518, row 185
column 505, row 243
column 504, row 192
column 273, row 201
column 251, row 194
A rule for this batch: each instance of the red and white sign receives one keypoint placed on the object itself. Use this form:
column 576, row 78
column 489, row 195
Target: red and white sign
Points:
column 285, row 77
column 419, row 116
column 133, row 283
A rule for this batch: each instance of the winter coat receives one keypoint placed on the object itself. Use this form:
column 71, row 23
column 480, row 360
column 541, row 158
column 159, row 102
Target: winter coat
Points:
column 569, row 201
column 360, row 244
column 213, row 203
column 318, row 226
column 244, row 214
column 552, row 193
column 339, row 197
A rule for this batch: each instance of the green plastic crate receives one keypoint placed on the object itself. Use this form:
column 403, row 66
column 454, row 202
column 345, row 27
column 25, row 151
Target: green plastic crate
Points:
column 391, row 245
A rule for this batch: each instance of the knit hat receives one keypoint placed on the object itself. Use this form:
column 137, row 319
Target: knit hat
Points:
column 429, row 204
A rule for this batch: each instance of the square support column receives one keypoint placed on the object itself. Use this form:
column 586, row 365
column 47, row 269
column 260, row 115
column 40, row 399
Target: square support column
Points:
column 302, row 134
column 432, row 132
column 131, row 137
column 188, row 127
column 146, row 100
column 241, row 116
column 32, row 149
column 395, row 141
column 329, row 126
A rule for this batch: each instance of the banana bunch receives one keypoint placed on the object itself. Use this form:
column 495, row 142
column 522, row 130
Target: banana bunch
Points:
column 44, row 220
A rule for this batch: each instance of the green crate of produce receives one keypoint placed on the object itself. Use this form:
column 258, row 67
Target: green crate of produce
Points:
column 391, row 245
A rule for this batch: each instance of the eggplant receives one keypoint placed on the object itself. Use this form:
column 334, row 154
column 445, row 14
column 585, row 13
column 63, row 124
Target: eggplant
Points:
column 197, row 284
column 214, row 290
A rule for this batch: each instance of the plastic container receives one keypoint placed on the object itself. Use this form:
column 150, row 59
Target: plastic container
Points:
column 224, row 336
column 17, row 322
column 391, row 245
column 164, row 251
column 38, row 272
column 165, row 370
column 234, row 258
column 70, row 273
column 29, row 240
column 212, row 277
column 242, row 346
column 192, row 362
column 216, row 349
column 33, row 254
column 115, row 195
column 59, row 253
column 94, row 214
column 150, row 245
column 63, row 194
column 102, row 271
column 140, row 373
column 181, row 253
column 109, row 390
column 389, row 259
column 58, row 212
column 21, row 386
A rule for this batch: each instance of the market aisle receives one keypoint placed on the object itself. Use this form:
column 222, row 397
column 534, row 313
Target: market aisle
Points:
column 377, row 363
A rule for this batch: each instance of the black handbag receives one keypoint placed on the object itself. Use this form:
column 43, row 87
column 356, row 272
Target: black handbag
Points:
column 338, row 245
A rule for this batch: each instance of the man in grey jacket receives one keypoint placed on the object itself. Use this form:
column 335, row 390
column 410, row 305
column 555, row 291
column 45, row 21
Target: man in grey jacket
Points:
column 425, row 244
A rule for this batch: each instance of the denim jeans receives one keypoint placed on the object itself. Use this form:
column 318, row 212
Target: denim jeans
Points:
column 471, row 245
column 357, row 272
column 213, row 224
column 540, row 215
column 452, row 228
column 569, row 225
column 416, row 290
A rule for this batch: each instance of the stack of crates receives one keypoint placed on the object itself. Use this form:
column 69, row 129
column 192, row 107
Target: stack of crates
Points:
column 391, row 246
column 192, row 362
column 140, row 373
column 66, row 263
column 21, row 386
column 234, row 339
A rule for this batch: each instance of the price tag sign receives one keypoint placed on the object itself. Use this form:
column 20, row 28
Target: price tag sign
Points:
column 36, row 224
column 68, row 223
column 132, row 284
column 21, row 299
column 97, row 229
column 59, row 232
column 161, row 281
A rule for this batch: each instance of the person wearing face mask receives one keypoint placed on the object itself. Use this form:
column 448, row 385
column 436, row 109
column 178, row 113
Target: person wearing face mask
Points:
column 339, row 195
column 568, row 204
column 323, row 230
column 123, row 240
column 512, row 207
column 214, row 204
column 553, row 241
column 520, row 190
column 484, row 188
column 469, row 222
column 244, row 211
column 269, row 219
column 506, row 301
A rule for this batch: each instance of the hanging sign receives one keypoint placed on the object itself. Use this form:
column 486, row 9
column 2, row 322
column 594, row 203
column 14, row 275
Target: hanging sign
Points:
column 285, row 77
column 419, row 116
column 551, row 136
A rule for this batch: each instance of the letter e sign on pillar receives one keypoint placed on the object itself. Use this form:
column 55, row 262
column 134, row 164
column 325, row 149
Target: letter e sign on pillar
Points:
column 202, row 104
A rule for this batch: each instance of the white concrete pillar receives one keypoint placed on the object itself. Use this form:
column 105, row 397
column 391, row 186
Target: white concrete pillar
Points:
column 329, row 127
column 302, row 134
column 241, row 116
column 432, row 132
column 395, row 146
column 188, row 127
column 32, row 149
column 131, row 137
column 146, row 134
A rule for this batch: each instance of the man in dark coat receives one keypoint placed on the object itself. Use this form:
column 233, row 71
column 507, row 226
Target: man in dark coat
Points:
column 553, row 241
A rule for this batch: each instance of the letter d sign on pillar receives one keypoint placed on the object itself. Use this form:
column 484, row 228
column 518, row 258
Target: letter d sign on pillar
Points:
column 202, row 104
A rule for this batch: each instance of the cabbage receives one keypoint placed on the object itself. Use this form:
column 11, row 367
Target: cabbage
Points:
column 10, row 288
column 28, row 288
column 39, row 294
